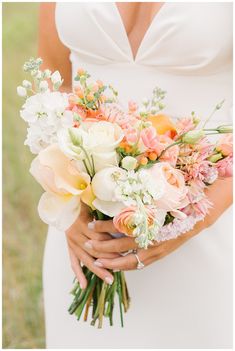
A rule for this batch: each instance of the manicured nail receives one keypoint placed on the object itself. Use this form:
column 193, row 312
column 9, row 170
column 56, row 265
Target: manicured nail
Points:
column 98, row 264
column 88, row 244
column 91, row 225
column 108, row 280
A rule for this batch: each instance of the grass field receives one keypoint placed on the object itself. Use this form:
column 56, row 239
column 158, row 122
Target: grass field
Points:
column 24, row 233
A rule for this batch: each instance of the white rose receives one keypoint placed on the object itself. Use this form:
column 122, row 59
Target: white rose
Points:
column 99, row 139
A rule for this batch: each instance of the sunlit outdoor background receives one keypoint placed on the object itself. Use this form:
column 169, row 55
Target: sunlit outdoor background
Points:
column 24, row 233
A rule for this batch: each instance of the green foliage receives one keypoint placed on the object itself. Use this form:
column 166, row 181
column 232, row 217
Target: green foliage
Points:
column 23, row 232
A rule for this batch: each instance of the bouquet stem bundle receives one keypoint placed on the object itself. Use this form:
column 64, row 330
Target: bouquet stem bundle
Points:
column 100, row 297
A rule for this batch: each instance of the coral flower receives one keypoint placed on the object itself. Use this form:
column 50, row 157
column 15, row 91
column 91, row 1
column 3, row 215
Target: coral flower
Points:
column 163, row 124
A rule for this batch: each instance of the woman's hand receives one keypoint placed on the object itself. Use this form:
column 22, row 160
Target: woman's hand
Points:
column 78, row 236
column 160, row 250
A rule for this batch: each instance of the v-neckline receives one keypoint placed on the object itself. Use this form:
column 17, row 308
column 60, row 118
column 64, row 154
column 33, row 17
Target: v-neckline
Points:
column 146, row 34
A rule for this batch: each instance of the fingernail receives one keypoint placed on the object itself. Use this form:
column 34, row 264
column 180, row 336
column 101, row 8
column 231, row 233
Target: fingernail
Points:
column 91, row 225
column 116, row 270
column 108, row 280
column 98, row 264
column 88, row 244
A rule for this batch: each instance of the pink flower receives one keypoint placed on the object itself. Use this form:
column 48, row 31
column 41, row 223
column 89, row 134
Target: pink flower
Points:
column 225, row 167
column 131, row 135
column 124, row 222
column 199, row 208
column 184, row 125
column 149, row 138
column 225, row 145
column 172, row 153
column 171, row 181
column 132, row 106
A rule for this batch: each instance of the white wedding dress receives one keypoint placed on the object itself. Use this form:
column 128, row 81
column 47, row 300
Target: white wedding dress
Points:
column 185, row 299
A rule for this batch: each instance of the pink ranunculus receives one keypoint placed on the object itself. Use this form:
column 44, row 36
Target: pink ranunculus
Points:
column 225, row 167
column 171, row 181
column 225, row 145
column 172, row 153
column 124, row 222
column 149, row 138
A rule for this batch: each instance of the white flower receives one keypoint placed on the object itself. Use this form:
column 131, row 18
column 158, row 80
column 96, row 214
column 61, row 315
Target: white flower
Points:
column 103, row 186
column 27, row 84
column 45, row 114
column 129, row 163
column 56, row 77
column 21, row 91
column 47, row 73
column 43, row 86
column 98, row 139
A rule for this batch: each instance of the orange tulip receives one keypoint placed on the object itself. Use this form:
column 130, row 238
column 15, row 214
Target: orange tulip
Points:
column 163, row 124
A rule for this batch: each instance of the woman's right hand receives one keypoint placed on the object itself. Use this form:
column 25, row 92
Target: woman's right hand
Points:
column 78, row 236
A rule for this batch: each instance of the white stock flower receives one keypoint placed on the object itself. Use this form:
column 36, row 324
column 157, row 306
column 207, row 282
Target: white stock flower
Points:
column 27, row 84
column 43, row 86
column 45, row 114
column 21, row 91
column 56, row 77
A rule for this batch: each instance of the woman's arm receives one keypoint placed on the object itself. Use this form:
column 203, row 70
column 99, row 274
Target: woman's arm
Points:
column 220, row 194
column 54, row 54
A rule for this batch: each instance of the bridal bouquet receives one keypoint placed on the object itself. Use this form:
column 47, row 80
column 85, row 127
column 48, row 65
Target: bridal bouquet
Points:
column 134, row 165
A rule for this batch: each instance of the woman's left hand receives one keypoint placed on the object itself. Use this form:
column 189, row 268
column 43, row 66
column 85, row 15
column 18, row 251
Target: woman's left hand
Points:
column 158, row 250
column 129, row 262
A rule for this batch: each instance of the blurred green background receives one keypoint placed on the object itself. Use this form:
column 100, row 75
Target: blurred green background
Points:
column 24, row 233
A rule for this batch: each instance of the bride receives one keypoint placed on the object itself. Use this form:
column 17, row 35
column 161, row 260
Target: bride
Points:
column 182, row 298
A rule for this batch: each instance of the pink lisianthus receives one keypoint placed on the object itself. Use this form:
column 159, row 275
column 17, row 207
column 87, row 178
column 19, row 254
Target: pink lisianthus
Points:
column 225, row 167
column 171, row 180
column 225, row 145
column 171, row 154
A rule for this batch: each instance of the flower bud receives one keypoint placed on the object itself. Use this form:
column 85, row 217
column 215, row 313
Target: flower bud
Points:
column 215, row 158
column 43, row 86
column 56, row 77
column 225, row 129
column 26, row 84
column 47, row 73
column 21, row 91
column 192, row 136
column 129, row 163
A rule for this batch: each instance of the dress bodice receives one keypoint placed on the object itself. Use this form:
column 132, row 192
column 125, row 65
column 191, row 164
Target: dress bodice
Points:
column 187, row 51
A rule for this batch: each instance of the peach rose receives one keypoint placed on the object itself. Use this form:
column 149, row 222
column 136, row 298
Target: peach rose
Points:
column 174, row 188
column 64, row 186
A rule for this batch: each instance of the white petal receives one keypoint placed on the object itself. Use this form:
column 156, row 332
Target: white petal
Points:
column 109, row 208
column 59, row 211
